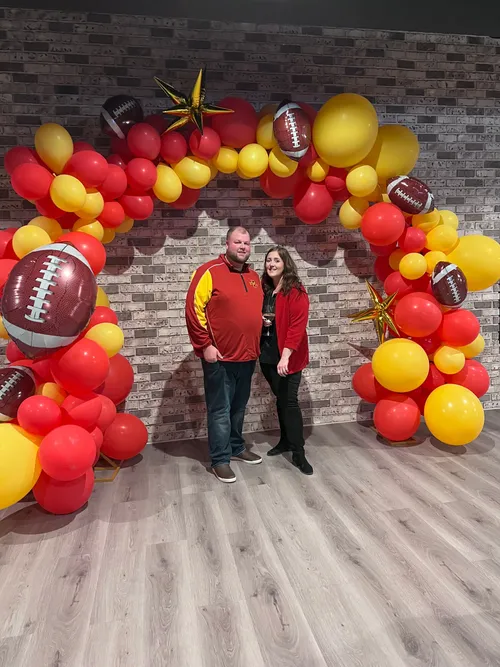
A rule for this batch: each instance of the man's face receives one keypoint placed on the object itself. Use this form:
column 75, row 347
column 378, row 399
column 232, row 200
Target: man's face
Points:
column 238, row 247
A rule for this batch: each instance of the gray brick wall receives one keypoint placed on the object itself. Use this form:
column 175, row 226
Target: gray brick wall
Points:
column 61, row 66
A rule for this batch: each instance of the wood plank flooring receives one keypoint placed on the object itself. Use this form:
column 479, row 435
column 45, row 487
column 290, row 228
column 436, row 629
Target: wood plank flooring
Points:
column 386, row 557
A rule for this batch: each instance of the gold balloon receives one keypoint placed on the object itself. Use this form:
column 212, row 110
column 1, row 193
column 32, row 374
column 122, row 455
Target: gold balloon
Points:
column 362, row 181
column 454, row 415
column 53, row 391
column 253, row 160
column 226, row 160
column 126, row 226
column 280, row 164
column 449, row 360
column 3, row 331
column 19, row 464
column 265, row 134
column 395, row 152
column 443, row 238
column 318, row 171
column 108, row 235
column 479, row 259
column 426, row 221
column 449, row 219
column 413, row 266
column 108, row 336
column 193, row 171
column 49, row 225
column 168, row 186
column 473, row 349
column 29, row 238
column 92, row 207
column 395, row 258
column 268, row 110
column 90, row 227
column 54, row 145
column 400, row 365
column 432, row 258
column 68, row 193
column 352, row 211
column 102, row 298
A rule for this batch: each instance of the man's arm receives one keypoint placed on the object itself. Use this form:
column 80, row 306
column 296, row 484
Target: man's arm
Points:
column 198, row 297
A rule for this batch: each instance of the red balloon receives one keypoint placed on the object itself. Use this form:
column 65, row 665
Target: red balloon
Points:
column 382, row 268
column 91, row 249
column 310, row 157
column 382, row 224
column 239, row 128
column 120, row 147
column 59, row 497
column 138, row 207
column 383, row 250
column 16, row 156
column 434, row 379
column 396, row 417
column 366, row 386
column 188, row 198
column 67, row 452
column 117, row 160
column 473, row 376
column 205, row 145
column 312, row 202
column 98, row 437
column 6, row 250
column 311, row 113
column 102, row 315
column 67, row 220
column 412, row 240
column 81, row 368
column 6, row 266
column 79, row 146
column 173, row 147
column 39, row 415
column 141, row 175
column 418, row 315
column 158, row 121
column 108, row 413
column 395, row 282
column 115, row 183
column 83, row 413
column 125, row 438
column 119, row 381
column 13, row 353
column 341, row 195
column 89, row 167
column 279, row 188
column 31, row 181
column 429, row 343
column 335, row 181
column 41, row 368
column 46, row 206
column 144, row 141
column 460, row 327
column 112, row 214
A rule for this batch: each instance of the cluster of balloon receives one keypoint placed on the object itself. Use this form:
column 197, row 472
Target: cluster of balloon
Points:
column 427, row 271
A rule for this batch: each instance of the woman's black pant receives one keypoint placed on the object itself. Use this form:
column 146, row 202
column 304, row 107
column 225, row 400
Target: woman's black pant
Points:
column 286, row 390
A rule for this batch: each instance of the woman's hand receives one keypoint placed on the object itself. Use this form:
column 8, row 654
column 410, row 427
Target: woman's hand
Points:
column 283, row 367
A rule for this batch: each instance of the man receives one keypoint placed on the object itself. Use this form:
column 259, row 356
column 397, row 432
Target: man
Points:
column 224, row 321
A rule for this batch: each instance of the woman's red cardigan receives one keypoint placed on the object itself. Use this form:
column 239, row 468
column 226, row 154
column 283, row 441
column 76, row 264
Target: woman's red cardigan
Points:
column 292, row 313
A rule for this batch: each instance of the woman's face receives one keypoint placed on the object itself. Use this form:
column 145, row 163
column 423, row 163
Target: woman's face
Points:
column 274, row 265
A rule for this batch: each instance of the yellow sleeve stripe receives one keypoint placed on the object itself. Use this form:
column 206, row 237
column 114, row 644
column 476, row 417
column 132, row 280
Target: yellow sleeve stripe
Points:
column 202, row 296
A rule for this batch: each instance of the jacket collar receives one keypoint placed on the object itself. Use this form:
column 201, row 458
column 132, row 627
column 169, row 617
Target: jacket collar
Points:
column 245, row 269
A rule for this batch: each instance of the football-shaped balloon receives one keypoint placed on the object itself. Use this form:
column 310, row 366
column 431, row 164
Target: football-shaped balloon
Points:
column 16, row 384
column 48, row 299
column 411, row 195
column 449, row 284
column 119, row 113
column 292, row 130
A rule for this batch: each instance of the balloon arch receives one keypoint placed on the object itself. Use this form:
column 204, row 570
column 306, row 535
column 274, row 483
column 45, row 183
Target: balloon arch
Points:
column 59, row 395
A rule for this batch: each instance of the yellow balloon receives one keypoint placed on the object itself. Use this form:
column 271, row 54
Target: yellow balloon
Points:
column 413, row 266
column 243, row 176
column 395, row 152
column 108, row 235
column 443, row 238
column 29, row 238
column 362, row 181
column 265, row 134
column 280, row 164
column 193, row 172
column 454, row 414
column 93, row 206
column 253, row 160
column 473, row 349
column 426, row 221
column 479, row 259
column 19, row 464
column 449, row 219
column 352, row 211
column 68, row 193
column 108, row 336
column 126, row 226
column 318, row 171
column 3, row 331
column 268, row 109
column 52, row 390
column 226, row 160
column 376, row 195
column 102, row 298
column 395, row 258
column 90, row 227
column 49, row 225
column 54, row 145
column 214, row 172
column 168, row 186
column 449, row 360
column 345, row 130
column 432, row 258
column 400, row 365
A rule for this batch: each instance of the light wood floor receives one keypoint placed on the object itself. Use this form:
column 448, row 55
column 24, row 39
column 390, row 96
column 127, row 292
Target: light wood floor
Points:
column 386, row 557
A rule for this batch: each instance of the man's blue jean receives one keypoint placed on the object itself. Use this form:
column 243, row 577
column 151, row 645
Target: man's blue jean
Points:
column 227, row 390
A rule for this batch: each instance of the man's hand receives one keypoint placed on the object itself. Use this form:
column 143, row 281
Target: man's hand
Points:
column 212, row 355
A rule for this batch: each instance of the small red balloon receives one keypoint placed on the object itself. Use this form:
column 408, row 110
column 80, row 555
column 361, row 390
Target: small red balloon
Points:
column 89, row 167
column 112, row 215
column 141, row 175
column 18, row 155
column 67, row 220
column 92, row 249
column 98, row 437
column 108, row 413
column 59, row 497
column 119, row 381
column 310, row 157
column 279, row 188
column 158, row 121
column 115, row 183
column 125, row 438
column 383, row 250
column 79, row 146
column 144, row 141
column 205, row 145
column 412, row 240
column 418, row 315
column 312, row 202
column 434, row 379
column 473, row 376
column 335, row 181
column 396, row 417
column 120, row 147
column 67, row 452
column 382, row 224
column 239, row 128
column 46, row 207
column 382, row 268
column 366, row 386
column 188, row 198
column 39, row 415
column 395, row 282
column 429, row 343
column 102, row 315
column 6, row 250
column 83, row 413
column 117, row 160
column 31, row 181
column 81, row 368
column 137, row 207
column 460, row 327
column 6, row 266
column 173, row 147
column 13, row 353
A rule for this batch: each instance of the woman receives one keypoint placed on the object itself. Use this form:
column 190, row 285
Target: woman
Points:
column 284, row 349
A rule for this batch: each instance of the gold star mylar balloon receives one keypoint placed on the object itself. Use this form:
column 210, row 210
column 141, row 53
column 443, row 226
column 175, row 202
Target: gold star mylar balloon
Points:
column 379, row 313
column 190, row 107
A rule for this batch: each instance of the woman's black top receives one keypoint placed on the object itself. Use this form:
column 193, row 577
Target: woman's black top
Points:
column 269, row 352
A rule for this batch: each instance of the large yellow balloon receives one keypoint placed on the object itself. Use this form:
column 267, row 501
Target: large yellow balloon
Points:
column 280, row 164
column 54, row 145
column 253, row 160
column 362, row 181
column 265, row 134
column 3, row 331
column 68, row 193
column 108, row 336
column 413, row 266
column 318, row 171
column 400, row 365
column 168, row 186
column 449, row 219
column 479, row 259
column 443, row 238
column 473, row 349
column 19, row 464
column 102, row 298
column 226, row 160
column 449, row 360
column 432, row 258
column 352, row 211
column 426, row 221
column 49, row 225
column 126, row 226
column 92, row 207
column 29, row 238
column 394, row 153
column 53, row 391
column 454, row 414
column 345, row 130
column 193, row 171
column 90, row 227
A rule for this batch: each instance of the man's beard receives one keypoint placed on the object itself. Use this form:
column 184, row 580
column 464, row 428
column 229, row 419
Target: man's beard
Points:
column 234, row 257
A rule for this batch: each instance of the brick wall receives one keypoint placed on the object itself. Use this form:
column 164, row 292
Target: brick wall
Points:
column 60, row 66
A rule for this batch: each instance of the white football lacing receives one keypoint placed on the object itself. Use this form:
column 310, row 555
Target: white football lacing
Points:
column 10, row 383
column 293, row 128
column 125, row 106
column 407, row 198
column 455, row 294
column 37, row 310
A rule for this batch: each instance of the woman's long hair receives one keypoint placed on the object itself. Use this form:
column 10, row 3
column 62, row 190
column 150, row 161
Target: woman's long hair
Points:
column 290, row 277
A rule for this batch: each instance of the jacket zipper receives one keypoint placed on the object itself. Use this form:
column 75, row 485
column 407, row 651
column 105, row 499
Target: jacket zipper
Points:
column 244, row 283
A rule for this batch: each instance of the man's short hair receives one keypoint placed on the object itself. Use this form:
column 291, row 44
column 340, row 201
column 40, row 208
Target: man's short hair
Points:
column 239, row 228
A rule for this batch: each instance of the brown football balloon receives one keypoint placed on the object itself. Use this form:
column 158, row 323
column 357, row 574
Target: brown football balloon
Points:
column 449, row 284
column 17, row 383
column 292, row 129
